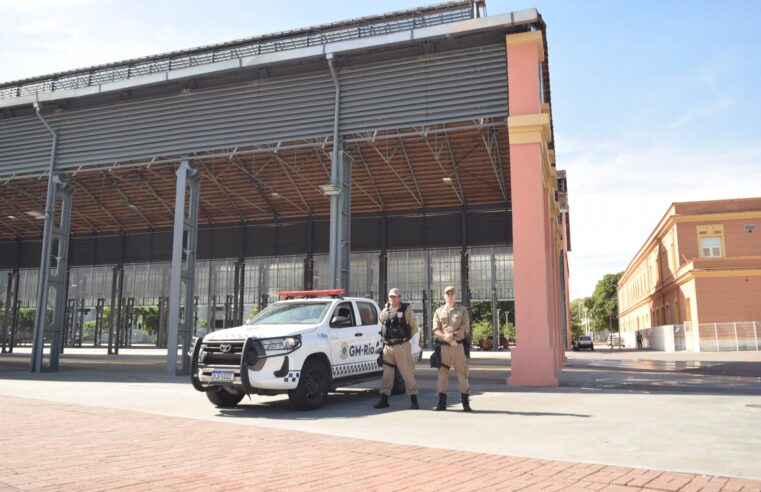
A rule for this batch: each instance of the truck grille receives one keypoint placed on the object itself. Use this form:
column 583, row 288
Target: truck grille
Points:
column 221, row 353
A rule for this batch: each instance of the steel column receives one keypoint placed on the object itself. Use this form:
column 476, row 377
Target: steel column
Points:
column 494, row 310
column 53, row 274
column 10, row 311
column 98, row 338
column 340, row 200
column 38, row 338
column 183, row 266
column 114, row 315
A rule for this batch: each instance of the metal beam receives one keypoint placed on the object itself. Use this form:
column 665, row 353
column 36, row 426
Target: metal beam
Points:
column 82, row 216
column 417, row 198
column 411, row 170
column 340, row 203
column 19, row 213
column 236, row 160
column 110, row 180
column 322, row 163
column 56, row 251
column 183, row 266
column 210, row 176
column 379, row 203
column 284, row 166
column 157, row 196
column 437, row 157
column 12, row 229
column 495, row 159
column 81, row 186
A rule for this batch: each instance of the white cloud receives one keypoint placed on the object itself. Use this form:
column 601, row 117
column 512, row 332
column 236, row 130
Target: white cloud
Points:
column 618, row 196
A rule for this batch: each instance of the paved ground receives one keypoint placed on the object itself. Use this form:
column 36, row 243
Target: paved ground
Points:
column 621, row 420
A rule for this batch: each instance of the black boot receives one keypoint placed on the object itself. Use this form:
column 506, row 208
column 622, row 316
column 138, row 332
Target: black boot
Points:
column 413, row 403
column 382, row 403
column 465, row 402
column 442, row 402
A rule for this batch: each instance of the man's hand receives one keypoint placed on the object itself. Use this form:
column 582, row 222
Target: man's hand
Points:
column 448, row 337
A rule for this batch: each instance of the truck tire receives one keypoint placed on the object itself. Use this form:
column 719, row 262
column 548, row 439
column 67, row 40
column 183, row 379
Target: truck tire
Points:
column 313, row 386
column 222, row 398
column 399, row 386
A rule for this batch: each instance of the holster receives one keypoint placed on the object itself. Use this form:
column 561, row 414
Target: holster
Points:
column 436, row 356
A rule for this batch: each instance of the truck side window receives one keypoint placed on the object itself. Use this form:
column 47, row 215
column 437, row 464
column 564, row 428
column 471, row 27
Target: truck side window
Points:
column 344, row 310
column 368, row 315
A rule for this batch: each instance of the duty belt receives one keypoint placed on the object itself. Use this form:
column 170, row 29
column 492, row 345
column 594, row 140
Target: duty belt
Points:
column 396, row 341
column 458, row 342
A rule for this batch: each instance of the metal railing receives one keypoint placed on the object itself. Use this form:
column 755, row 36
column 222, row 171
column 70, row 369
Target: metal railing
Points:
column 730, row 337
column 289, row 40
column 706, row 337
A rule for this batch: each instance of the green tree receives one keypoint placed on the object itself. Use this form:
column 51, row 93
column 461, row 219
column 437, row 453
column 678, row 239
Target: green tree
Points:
column 577, row 322
column 150, row 316
column 604, row 303
column 482, row 329
column 253, row 312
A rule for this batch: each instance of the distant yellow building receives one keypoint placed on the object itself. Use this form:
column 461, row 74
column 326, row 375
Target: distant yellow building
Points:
column 696, row 282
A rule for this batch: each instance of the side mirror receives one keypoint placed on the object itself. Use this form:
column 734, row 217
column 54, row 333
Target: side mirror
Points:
column 339, row 321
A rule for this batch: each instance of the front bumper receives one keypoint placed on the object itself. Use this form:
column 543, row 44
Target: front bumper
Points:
column 244, row 364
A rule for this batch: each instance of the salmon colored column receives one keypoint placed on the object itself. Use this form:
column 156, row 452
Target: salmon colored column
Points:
column 538, row 355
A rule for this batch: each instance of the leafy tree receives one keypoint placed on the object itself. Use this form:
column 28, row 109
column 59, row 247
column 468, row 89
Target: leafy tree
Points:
column 604, row 303
column 253, row 312
column 481, row 324
column 150, row 316
column 481, row 330
column 577, row 324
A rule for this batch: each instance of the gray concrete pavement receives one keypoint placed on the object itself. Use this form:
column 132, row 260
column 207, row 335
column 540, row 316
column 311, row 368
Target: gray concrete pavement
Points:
column 692, row 413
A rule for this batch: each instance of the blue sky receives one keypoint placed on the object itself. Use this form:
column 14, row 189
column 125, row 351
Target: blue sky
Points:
column 653, row 101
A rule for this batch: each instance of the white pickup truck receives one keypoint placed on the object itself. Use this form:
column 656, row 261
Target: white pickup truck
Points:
column 307, row 345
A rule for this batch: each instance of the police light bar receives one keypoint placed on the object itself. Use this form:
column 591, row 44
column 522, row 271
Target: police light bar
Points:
column 313, row 293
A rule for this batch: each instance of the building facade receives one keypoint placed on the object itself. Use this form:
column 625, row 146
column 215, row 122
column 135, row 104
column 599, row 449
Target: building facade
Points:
column 364, row 154
column 696, row 282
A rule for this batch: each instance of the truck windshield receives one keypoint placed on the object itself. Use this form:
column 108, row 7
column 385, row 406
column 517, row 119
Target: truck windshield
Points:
column 291, row 313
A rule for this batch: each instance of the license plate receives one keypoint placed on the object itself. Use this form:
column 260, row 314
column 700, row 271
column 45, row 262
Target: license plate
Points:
column 223, row 376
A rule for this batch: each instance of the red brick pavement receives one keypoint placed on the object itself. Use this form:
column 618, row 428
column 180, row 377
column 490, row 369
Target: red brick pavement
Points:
column 54, row 446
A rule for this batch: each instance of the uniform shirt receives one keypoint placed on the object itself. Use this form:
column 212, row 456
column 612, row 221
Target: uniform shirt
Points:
column 408, row 315
column 454, row 320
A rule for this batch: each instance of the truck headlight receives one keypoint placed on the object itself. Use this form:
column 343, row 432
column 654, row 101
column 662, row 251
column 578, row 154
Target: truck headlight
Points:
column 285, row 343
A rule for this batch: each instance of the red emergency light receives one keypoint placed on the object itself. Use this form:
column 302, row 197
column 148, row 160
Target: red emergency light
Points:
column 313, row 293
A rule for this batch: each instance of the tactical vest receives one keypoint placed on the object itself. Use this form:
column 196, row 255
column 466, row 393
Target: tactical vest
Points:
column 396, row 327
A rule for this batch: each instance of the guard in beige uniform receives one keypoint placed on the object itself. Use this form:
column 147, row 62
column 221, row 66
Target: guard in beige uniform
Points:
column 451, row 325
column 398, row 326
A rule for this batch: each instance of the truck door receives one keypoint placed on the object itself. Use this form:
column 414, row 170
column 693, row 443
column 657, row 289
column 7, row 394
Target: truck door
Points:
column 351, row 352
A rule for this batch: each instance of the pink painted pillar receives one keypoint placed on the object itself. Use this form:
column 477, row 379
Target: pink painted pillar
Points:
column 536, row 359
column 567, row 273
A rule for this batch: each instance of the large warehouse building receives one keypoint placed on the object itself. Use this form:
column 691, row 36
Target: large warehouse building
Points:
column 412, row 149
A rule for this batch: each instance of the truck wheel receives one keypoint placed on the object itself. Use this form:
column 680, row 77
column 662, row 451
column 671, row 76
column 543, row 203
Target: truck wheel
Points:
column 399, row 386
column 222, row 398
column 313, row 385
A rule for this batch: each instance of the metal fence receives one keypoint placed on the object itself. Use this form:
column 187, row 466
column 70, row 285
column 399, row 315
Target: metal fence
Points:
column 706, row 337
column 729, row 337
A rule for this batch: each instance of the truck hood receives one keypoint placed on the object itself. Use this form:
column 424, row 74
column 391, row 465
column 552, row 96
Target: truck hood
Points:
column 259, row 331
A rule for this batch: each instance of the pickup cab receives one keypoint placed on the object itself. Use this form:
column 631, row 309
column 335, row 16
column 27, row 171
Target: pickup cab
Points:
column 306, row 345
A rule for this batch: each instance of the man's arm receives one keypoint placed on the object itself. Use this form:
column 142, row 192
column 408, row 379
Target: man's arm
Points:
column 466, row 322
column 437, row 331
column 411, row 321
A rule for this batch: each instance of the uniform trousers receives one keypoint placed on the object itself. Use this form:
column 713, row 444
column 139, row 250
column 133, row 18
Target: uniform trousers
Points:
column 453, row 357
column 400, row 356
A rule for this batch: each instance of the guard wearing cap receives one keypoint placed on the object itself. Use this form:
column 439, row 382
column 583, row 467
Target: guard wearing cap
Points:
column 398, row 326
column 451, row 326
